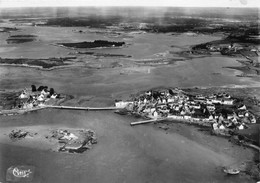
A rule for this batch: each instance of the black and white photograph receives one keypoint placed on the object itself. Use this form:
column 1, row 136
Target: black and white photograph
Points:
column 129, row 91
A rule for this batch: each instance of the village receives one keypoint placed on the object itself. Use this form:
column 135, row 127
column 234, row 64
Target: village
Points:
column 220, row 111
column 68, row 140
column 37, row 97
column 227, row 48
column 30, row 100
column 224, row 114
column 34, row 99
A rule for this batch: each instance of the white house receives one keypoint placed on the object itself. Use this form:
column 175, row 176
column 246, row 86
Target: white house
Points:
column 209, row 101
column 227, row 101
column 186, row 117
column 122, row 104
column 196, row 106
column 211, row 107
column 216, row 101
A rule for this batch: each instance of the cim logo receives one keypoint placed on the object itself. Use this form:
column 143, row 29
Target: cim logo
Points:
column 23, row 173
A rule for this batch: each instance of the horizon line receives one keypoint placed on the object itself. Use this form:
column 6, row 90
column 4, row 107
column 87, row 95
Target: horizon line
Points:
column 132, row 6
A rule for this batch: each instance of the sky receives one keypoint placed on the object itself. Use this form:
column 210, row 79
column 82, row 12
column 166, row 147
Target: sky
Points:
column 152, row 3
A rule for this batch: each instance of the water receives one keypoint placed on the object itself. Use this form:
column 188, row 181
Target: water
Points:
column 123, row 153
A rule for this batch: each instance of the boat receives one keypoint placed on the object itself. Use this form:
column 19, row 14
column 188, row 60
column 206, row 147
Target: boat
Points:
column 231, row 171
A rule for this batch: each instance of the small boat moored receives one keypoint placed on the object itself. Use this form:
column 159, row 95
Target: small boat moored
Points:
column 231, row 171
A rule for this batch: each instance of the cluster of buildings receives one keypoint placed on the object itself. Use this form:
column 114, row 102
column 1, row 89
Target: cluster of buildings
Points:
column 29, row 99
column 227, row 49
column 219, row 110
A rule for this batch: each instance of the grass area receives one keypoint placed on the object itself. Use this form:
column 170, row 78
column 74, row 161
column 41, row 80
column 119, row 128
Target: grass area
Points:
column 94, row 44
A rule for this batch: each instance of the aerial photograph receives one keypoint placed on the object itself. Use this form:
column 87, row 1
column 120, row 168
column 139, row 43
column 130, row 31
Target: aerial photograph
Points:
column 130, row 91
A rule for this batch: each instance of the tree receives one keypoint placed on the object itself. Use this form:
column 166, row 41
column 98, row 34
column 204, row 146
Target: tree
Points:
column 155, row 94
column 51, row 91
column 40, row 88
column 171, row 92
column 33, row 88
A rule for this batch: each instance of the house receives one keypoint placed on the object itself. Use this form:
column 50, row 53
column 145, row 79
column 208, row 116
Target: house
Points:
column 200, row 97
column 241, row 114
column 242, row 107
column 196, row 119
column 23, row 95
column 147, row 110
column 209, row 101
column 215, row 126
column 171, row 100
column 253, row 120
column 148, row 93
column 216, row 101
column 228, row 101
column 122, row 104
column 187, row 117
column 226, row 95
column 196, row 106
column 54, row 95
column 230, row 116
column 40, row 98
column 241, row 127
column 211, row 107
column 28, row 106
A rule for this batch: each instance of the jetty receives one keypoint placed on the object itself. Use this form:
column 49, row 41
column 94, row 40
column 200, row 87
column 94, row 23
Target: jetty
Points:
column 22, row 111
column 181, row 119
column 84, row 108
column 146, row 121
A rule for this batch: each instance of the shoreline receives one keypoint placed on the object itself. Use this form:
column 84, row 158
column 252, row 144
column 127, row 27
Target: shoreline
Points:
column 202, row 126
column 197, row 132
